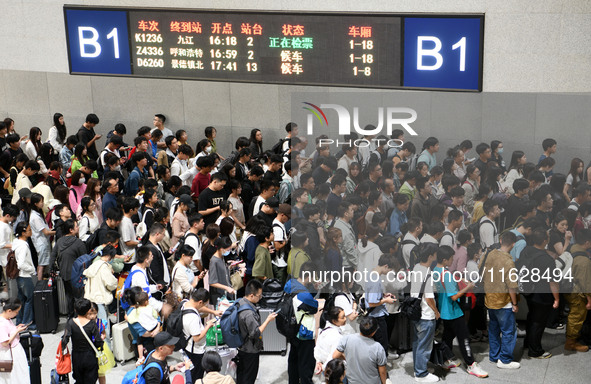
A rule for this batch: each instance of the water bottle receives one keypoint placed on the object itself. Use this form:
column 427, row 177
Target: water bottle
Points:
column 49, row 282
column 185, row 357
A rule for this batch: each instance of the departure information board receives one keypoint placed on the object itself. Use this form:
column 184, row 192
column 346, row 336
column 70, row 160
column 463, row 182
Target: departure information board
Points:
column 325, row 49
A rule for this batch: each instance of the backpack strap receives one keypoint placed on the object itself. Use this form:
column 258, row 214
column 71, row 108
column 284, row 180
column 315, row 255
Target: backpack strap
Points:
column 153, row 364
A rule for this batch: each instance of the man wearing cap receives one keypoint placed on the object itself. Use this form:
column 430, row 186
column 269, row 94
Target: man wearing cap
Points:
column 279, row 256
column 211, row 197
column 268, row 210
column 22, row 180
column 164, row 344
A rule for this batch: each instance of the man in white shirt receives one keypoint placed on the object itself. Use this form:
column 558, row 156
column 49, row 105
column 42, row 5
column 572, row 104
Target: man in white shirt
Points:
column 127, row 229
column 194, row 331
column 424, row 329
column 180, row 165
column 411, row 240
column 140, row 279
column 112, row 147
column 22, row 180
column 280, row 241
column 9, row 215
column 455, row 219
column 488, row 229
column 193, row 239
column 159, row 120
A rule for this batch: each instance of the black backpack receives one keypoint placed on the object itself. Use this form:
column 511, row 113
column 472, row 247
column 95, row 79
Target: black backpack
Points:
column 174, row 325
column 287, row 323
column 93, row 240
column 272, row 294
column 413, row 252
column 475, row 229
column 181, row 243
column 278, row 148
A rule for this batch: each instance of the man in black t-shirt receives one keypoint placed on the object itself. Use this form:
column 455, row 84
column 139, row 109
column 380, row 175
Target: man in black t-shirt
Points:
column 541, row 282
column 211, row 198
column 164, row 344
column 88, row 137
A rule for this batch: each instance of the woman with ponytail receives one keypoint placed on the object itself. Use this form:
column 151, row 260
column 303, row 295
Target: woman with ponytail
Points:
column 10, row 346
column 369, row 251
column 330, row 332
column 335, row 372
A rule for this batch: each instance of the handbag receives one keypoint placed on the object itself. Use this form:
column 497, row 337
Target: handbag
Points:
column 11, row 265
column 104, row 369
column 411, row 306
column 103, row 359
column 6, row 365
column 214, row 337
column 63, row 361
column 236, row 280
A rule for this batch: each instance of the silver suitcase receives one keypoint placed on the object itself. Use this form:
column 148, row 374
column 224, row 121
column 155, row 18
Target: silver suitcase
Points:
column 123, row 347
column 273, row 341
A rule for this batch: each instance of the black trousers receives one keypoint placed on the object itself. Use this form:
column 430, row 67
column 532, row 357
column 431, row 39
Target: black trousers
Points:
column 477, row 320
column 536, row 323
column 382, row 336
column 71, row 294
column 248, row 368
column 301, row 362
column 84, row 367
column 197, row 371
column 457, row 328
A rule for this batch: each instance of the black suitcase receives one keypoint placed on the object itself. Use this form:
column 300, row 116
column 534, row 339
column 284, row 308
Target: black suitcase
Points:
column 35, row 370
column 45, row 306
column 401, row 337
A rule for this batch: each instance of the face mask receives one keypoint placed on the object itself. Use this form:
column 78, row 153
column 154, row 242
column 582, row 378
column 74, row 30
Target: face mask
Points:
column 226, row 253
column 82, row 180
column 208, row 149
column 500, row 150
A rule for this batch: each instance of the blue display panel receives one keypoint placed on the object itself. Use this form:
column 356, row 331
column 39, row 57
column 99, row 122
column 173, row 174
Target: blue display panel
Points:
column 376, row 50
column 98, row 41
column 443, row 53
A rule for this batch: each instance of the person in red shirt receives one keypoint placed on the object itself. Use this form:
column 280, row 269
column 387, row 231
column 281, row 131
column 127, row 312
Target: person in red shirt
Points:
column 201, row 181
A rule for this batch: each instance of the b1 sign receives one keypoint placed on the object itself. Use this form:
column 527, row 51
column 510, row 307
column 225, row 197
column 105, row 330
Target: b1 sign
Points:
column 98, row 42
column 443, row 53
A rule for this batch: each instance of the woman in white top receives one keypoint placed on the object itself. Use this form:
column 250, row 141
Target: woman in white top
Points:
column 575, row 175
column 518, row 159
column 26, row 271
column 459, row 169
column 41, row 233
column 183, row 278
column 237, row 212
column 57, row 133
column 10, row 346
column 89, row 222
column 33, row 147
column 330, row 333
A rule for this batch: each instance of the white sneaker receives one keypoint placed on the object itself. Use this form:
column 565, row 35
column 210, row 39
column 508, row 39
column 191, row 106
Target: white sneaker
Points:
column 475, row 370
column 430, row 378
column 511, row 365
column 388, row 381
column 451, row 363
column 393, row 356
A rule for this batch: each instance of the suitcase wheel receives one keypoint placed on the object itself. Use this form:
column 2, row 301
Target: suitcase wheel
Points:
column 283, row 353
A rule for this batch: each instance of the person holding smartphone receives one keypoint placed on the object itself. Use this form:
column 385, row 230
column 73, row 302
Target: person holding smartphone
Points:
column 251, row 329
column 10, row 346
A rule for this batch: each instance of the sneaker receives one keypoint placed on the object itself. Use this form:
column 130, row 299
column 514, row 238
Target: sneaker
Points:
column 521, row 333
column 388, row 381
column 393, row 356
column 545, row 355
column 511, row 365
column 475, row 370
column 451, row 363
column 430, row 378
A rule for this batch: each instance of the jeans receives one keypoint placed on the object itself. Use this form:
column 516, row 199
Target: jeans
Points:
column 422, row 344
column 502, row 335
column 25, row 295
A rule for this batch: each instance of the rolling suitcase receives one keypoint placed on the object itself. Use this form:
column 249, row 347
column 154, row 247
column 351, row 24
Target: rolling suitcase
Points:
column 123, row 347
column 273, row 341
column 45, row 306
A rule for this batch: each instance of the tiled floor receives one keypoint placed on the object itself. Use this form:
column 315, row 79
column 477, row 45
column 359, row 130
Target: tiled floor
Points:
column 561, row 368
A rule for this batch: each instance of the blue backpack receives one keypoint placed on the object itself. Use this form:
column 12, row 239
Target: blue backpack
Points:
column 230, row 327
column 126, row 285
column 80, row 264
column 137, row 375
